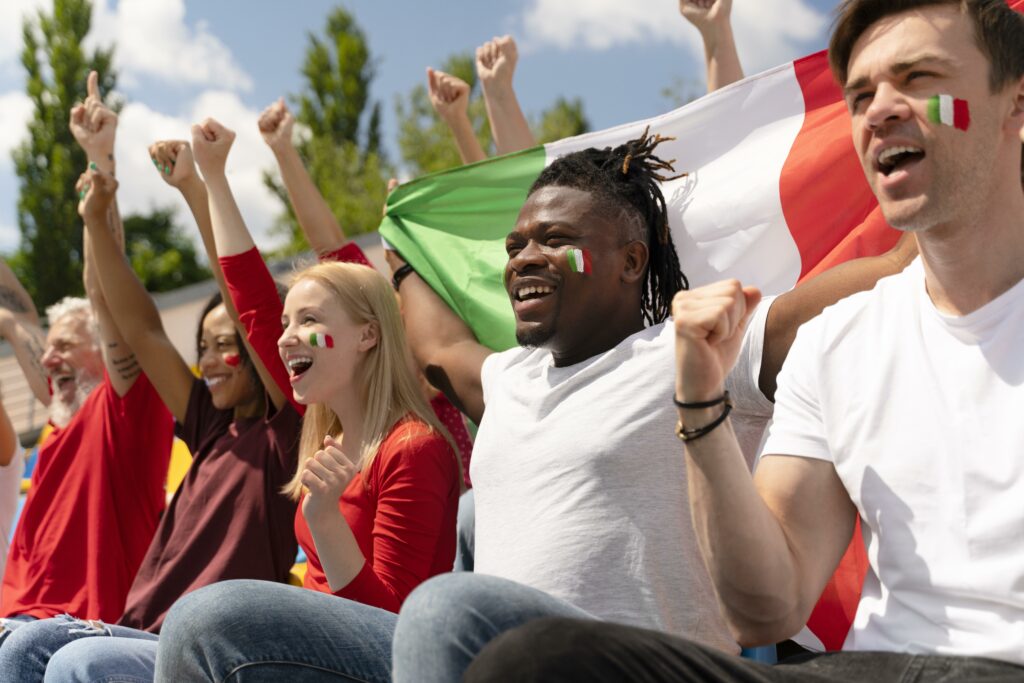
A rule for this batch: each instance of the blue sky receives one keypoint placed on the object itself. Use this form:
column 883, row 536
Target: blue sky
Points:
column 181, row 60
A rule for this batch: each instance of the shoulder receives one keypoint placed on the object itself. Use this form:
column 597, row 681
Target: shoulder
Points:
column 414, row 445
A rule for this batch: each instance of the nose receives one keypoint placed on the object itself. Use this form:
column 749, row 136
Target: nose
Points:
column 888, row 105
column 531, row 255
column 50, row 359
column 287, row 338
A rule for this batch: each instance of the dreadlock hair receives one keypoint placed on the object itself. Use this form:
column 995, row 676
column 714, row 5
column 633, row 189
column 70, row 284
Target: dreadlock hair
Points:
column 625, row 179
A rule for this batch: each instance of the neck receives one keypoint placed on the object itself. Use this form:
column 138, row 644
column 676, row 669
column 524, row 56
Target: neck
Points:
column 254, row 408
column 348, row 405
column 604, row 338
column 968, row 265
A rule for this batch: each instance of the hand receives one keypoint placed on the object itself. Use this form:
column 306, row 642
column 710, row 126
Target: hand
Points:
column 706, row 15
column 93, row 124
column 174, row 162
column 325, row 475
column 496, row 62
column 211, row 143
column 96, row 192
column 709, row 322
column 392, row 184
column 449, row 95
column 276, row 124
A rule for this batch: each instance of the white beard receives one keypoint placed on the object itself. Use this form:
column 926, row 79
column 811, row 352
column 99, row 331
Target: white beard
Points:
column 62, row 412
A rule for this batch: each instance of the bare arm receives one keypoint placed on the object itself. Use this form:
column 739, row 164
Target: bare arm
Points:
column 442, row 344
column 495, row 65
column 450, row 98
column 770, row 543
column 807, row 300
column 177, row 156
column 19, row 325
column 711, row 18
column 8, row 438
column 318, row 222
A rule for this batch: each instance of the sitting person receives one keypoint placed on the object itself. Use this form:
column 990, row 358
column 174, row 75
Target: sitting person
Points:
column 229, row 518
column 583, row 524
column 897, row 406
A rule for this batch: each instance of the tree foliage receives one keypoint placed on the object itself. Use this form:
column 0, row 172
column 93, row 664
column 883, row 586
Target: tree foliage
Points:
column 340, row 130
column 48, row 162
column 161, row 254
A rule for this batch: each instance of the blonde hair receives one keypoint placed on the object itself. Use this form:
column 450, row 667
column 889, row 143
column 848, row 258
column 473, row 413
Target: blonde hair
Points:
column 388, row 388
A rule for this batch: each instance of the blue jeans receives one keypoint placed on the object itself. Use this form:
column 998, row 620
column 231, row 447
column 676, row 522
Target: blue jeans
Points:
column 447, row 620
column 9, row 625
column 465, row 528
column 251, row 631
column 67, row 649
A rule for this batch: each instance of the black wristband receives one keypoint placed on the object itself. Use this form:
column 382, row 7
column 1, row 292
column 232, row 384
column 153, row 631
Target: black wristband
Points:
column 724, row 398
column 687, row 435
column 403, row 272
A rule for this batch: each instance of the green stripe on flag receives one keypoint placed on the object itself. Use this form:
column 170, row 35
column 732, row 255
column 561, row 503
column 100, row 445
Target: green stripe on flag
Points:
column 451, row 228
column 934, row 109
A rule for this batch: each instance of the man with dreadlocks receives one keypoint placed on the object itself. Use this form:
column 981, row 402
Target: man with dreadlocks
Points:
column 581, row 496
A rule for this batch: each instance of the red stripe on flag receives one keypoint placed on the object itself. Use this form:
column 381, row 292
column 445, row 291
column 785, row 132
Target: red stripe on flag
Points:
column 961, row 114
column 826, row 199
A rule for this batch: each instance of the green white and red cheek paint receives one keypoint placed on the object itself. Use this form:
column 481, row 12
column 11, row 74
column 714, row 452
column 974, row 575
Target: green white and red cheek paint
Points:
column 579, row 260
column 949, row 111
column 319, row 340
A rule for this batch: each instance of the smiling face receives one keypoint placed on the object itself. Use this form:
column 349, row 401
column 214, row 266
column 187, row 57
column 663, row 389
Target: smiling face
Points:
column 319, row 371
column 555, row 306
column 74, row 364
column 924, row 173
column 230, row 383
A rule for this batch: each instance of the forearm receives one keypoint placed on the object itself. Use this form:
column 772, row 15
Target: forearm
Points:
column 469, row 147
column 28, row 342
column 508, row 124
column 336, row 546
column 8, row 439
column 318, row 222
column 13, row 296
column 230, row 234
column 118, row 357
column 721, row 58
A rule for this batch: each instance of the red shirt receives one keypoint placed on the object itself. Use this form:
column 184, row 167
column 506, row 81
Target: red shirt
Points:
column 402, row 512
column 96, row 497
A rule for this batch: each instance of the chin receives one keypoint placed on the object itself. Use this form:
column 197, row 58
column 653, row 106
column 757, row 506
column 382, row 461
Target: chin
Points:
column 534, row 336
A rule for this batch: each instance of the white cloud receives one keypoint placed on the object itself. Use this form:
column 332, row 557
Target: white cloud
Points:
column 15, row 112
column 768, row 32
column 142, row 189
column 154, row 40
column 12, row 13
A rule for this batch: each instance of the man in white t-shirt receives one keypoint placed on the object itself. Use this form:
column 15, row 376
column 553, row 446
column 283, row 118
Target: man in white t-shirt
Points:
column 901, row 405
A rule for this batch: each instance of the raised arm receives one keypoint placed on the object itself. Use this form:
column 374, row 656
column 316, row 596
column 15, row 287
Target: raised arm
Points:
column 711, row 18
column 770, row 546
column 8, row 438
column 444, row 347
column 807, row 300
column 318, row 222
column 131, row 308
column 495, row 65
column 19, row 325
column 449, row 95
column 250, row 285
column 173, row 160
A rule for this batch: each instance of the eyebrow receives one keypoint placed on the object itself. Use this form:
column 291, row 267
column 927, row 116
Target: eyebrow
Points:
column 901, row 68
column 545, row 225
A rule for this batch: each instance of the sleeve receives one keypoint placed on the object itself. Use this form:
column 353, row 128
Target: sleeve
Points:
column 798, row 426
column 415, row 484
column 349, row 253
column 743, row 382
column 254, row 294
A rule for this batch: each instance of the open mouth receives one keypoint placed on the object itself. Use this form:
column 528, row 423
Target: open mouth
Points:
column 214, row 380
column 532, row 292
column 63, row 382
column 892, row 159
column 298, row 366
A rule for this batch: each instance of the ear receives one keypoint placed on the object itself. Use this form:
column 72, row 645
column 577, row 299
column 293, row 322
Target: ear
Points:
column 369, row 336
column 636, row 259
column 1016, row 118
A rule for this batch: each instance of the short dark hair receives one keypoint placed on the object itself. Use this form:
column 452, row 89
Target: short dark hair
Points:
column 625, row 180
column 998, row 32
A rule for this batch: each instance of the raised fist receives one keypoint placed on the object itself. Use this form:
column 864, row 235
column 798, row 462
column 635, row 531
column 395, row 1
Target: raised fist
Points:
column 276, row 124
column 705, row 14
column 449, row 94
column 211, row 143
column 496, row 62
column 174, row 162
column 96, row 192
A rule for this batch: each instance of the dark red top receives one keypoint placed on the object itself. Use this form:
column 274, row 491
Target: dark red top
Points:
column 96, row 497
column 228, row 519
column 402, row 512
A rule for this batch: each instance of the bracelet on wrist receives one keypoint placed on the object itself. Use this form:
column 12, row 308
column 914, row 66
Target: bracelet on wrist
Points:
column 404, row 271
column 686, row 434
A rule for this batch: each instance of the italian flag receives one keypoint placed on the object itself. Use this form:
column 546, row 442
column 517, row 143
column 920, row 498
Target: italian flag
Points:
column 579, row 261
column 949, row 111
column 321, row 340
column 775, row 194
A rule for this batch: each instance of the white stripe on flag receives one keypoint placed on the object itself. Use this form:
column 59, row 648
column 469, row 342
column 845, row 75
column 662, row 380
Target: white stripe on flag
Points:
column 946, row 109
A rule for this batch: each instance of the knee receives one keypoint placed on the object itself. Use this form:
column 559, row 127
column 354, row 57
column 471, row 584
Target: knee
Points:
column 37, row 640
column 440, row 604
column 198, row 616
column 71, row 664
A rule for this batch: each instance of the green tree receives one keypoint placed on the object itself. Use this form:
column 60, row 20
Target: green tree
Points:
column 341, row 131
column 48, row 162
column 427, row 146
column 161, row 254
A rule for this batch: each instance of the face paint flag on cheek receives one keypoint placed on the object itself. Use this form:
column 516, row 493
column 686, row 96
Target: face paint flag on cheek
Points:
column 579, row 261
column 321, row 341
column 949, row 111
column 232, row 359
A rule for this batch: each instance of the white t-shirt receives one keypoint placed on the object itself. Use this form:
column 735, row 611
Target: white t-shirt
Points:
column 922, row 415
column 580, row 481
column 10, row 489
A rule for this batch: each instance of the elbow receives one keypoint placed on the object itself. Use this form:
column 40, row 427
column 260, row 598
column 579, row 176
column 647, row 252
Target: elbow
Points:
column 764, row 622
column 758, row 634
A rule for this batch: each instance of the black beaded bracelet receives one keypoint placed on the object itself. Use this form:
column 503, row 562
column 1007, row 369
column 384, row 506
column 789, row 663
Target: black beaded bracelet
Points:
column 403, row 272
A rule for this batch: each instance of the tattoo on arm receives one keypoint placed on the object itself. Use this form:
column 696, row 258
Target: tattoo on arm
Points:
column 127, row 367
column 11, row 300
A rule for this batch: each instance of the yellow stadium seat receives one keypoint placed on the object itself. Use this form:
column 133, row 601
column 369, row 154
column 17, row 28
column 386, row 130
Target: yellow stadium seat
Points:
column 297, row 574
column 181, row 460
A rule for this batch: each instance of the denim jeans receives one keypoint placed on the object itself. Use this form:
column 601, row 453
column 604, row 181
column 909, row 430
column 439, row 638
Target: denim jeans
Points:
column 465, row 529
column 252, row 631
column 61, row 649
column 564, row 650
column 9, row 625
column 447, row 620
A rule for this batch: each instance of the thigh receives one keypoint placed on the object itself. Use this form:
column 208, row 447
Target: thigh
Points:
column 10, row 624
column 126, row 660
column 446, row 621
column 240, row 631
column 26, row 653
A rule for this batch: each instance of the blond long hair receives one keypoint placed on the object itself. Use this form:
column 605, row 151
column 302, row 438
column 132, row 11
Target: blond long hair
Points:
column 384, row 379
